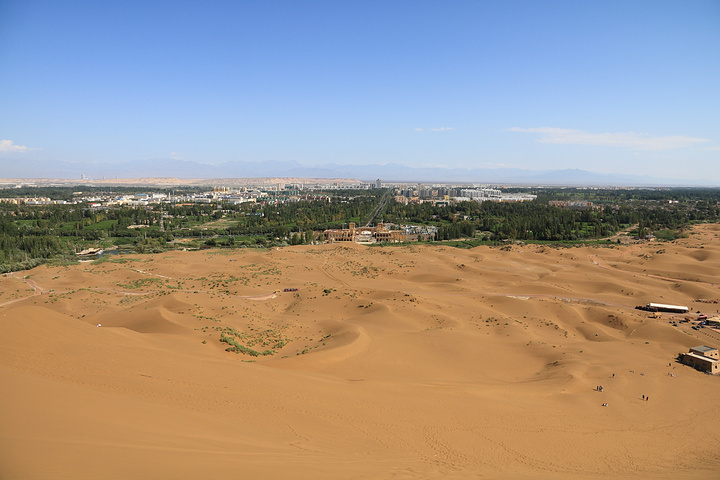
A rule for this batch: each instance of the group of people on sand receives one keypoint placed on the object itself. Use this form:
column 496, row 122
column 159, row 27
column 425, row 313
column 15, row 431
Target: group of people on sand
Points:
column 645, row 398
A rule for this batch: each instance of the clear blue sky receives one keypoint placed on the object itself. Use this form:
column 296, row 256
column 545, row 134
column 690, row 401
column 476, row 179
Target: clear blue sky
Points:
column 605, row 86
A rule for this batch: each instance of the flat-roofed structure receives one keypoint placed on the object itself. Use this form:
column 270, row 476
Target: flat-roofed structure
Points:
column 703, row 358
column 661, row 307
column 340, row 235
column 706, row 351
column 364, row 234
column 384, row 235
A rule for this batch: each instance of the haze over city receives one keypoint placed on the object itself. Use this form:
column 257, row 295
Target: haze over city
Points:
column 132, row 88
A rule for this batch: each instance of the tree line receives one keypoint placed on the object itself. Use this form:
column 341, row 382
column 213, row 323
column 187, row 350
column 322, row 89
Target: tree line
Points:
column 30, row 234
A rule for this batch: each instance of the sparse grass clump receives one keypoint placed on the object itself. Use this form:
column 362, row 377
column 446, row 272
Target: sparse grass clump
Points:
column 142, row 283
column 238, row 348
column 266, row 338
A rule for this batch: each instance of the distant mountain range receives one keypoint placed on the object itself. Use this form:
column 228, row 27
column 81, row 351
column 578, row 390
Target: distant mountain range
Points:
column 388, row 173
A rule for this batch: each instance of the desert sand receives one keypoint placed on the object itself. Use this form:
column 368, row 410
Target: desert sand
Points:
column 390, row 362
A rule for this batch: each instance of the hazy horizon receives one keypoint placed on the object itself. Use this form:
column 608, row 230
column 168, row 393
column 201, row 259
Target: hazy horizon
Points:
column 196, row 173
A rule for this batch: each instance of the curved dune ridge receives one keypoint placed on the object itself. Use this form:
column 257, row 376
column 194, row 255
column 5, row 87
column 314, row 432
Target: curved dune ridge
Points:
column 370, row 362
column 154, row 320
column 700, row 255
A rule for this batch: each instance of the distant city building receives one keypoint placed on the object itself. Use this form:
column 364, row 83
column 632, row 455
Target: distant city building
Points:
column 573, row 204
column 364, row 234
column 481, row 193
column 382, row 233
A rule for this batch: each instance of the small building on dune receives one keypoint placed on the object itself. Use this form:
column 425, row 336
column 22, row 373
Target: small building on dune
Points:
column 703, row 358
column 706, row 351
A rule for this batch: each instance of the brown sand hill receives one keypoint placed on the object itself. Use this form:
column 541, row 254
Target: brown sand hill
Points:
column 387, row 362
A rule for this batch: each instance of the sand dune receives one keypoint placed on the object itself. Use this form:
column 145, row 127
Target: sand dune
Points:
column 154, row 320
column 387, row 362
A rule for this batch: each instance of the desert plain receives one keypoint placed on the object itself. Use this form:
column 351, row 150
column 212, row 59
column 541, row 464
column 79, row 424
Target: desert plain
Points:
column 415, row 361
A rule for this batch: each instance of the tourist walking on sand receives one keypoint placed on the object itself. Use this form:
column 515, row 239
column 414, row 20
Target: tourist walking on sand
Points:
column 643, row 396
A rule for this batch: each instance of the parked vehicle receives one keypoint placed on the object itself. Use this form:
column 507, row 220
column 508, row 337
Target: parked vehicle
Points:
column 646, row 308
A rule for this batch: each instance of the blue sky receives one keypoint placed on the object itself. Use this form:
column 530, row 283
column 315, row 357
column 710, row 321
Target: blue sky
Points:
column 612, row 86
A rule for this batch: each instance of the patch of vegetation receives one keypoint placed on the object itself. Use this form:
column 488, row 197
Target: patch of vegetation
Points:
column 241, row 342
column 116, row 259
column 142, row 283
column 31, row 235
column 669, row 235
